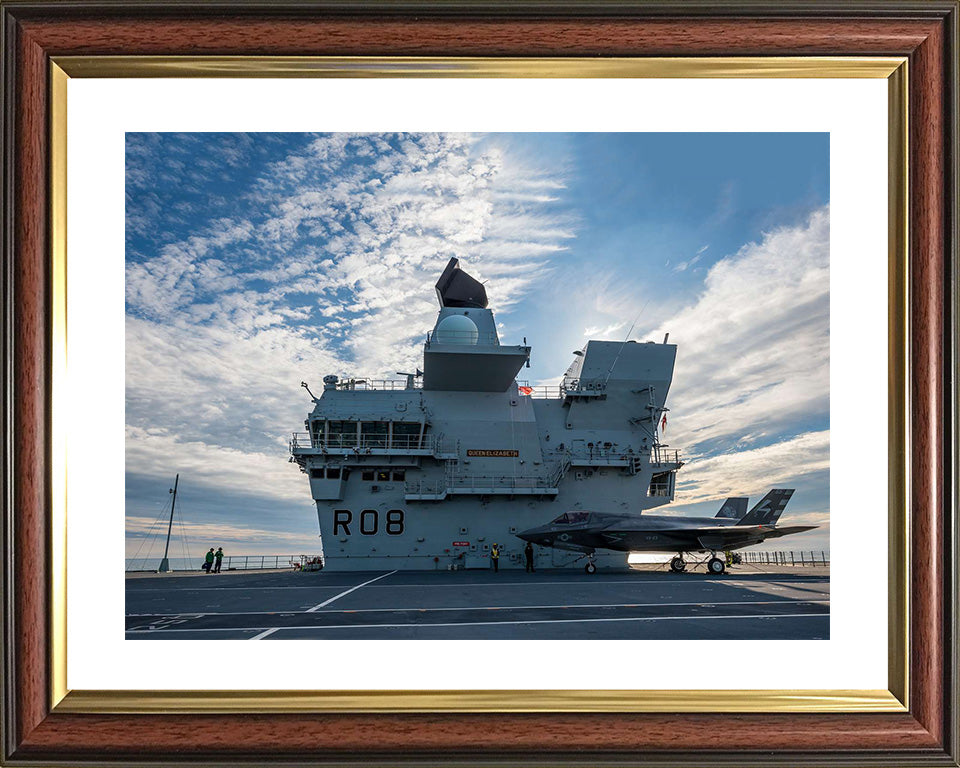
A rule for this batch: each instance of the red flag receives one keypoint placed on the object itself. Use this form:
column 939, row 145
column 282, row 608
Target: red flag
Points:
column 663, row 424
column 525, row 390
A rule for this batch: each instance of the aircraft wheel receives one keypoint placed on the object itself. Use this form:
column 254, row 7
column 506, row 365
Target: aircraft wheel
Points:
column 716, row 566
column 590, row 568
column 678, row 565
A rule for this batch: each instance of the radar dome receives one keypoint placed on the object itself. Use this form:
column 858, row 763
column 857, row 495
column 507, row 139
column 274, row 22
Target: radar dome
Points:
column 456, row 329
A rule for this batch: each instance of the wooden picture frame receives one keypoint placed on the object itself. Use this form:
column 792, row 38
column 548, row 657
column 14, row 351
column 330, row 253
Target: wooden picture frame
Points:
column 40, row 727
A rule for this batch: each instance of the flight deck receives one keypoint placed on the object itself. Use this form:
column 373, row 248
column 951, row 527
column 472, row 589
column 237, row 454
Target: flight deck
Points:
column 746, row 603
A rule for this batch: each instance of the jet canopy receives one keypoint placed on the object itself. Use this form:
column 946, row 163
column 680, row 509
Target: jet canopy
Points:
column 571, row 518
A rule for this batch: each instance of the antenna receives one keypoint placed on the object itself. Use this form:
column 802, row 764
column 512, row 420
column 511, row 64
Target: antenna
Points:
column 625, row 340
column 411, row 377
column 304, row 385
column 165, row 563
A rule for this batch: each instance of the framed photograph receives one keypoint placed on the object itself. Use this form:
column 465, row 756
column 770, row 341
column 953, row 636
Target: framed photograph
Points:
column 199, row 200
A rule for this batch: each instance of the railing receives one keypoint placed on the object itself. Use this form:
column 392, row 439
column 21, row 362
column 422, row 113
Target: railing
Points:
column 807, row 557
column 600, row 455
column 583, row 386
column 229, row 563
column 434, row 444
column 596, row 451
column 258, row 562
column 463, row 338
column 397, row 442
column 570, row 388
column 493, row 483
column 497, row 481
column 662, row 456
column 377, row 384
column 545, row 392
column 554, row 392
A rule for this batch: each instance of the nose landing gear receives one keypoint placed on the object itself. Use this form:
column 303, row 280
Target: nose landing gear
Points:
column 590, row 567
column 678, row 564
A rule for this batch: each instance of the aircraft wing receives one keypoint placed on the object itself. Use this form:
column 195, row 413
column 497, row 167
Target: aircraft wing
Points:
column 784, row 530
column 731, row 537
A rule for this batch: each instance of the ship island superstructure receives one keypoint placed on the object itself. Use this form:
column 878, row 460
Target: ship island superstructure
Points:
column 432, row 470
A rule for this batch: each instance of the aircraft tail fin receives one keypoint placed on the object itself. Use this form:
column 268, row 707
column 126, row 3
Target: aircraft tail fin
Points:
column 733, row 508
column 769, row 508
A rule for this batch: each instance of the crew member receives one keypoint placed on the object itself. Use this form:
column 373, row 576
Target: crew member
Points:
column 495, row 556
column 219, row 556
column 208, row 560
column 528, row 554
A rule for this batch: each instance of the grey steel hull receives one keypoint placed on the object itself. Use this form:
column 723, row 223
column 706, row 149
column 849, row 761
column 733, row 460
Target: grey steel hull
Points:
column 440, row 535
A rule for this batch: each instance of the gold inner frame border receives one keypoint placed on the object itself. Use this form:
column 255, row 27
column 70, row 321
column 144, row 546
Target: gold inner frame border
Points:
column 895, row 699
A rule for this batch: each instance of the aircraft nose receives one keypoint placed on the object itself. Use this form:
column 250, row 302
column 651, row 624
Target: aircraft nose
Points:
column 533, row 535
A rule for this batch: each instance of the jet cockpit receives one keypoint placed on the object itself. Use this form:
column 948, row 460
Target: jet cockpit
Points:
column 571, row 518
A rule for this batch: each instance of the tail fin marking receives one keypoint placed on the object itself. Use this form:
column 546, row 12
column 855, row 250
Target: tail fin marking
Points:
column 733, row 508
column 769, row 508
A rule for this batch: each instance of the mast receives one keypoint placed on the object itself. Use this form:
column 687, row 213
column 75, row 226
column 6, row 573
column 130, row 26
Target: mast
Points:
column 165, row 563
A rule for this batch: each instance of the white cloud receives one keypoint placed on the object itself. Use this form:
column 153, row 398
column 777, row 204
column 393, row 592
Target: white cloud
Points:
column 755, row 471
column 753, row 351
column 215, row 466
column 684, row 265
column 753, row 364
column 223, row 534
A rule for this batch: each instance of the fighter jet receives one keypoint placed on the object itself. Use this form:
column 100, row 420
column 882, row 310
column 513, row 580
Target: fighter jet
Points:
column 731, row 529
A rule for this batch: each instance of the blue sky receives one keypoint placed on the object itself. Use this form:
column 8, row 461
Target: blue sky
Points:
column 255, row 261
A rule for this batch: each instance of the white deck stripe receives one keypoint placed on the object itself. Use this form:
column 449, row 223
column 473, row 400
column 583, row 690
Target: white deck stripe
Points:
column 492, row 623
column 420, row 609
column 265, row 633
column 584, row 583
column 347, row 592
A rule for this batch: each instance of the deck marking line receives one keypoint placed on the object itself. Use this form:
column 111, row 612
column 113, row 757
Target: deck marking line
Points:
column 264, row 633
column 347, row 592
column 592, row 582
column 489, row 623
column 786, row 601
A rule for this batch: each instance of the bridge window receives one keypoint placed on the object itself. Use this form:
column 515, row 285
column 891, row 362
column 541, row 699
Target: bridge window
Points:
column 399, row 475
column 383, row 476
column 367, row 475
column 342, row 434
column 661, row 484
column 406, row 434
column 333, row 473
column 373, row 434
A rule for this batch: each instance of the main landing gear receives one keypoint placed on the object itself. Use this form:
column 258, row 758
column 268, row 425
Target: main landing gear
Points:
column 590, row 568
column 715, row 565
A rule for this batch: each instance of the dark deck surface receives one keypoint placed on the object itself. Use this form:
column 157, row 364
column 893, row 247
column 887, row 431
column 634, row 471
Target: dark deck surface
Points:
column 567, row 604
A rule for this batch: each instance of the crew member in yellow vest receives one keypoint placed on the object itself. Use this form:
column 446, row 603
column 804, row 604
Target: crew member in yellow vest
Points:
column 495, row 556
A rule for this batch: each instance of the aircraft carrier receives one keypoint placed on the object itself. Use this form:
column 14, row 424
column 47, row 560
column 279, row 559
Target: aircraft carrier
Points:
column 431, row 471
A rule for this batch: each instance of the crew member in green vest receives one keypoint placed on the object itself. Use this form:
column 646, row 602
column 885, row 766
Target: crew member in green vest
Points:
column 219, row 555
column 495, row 556
column 208, row 561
